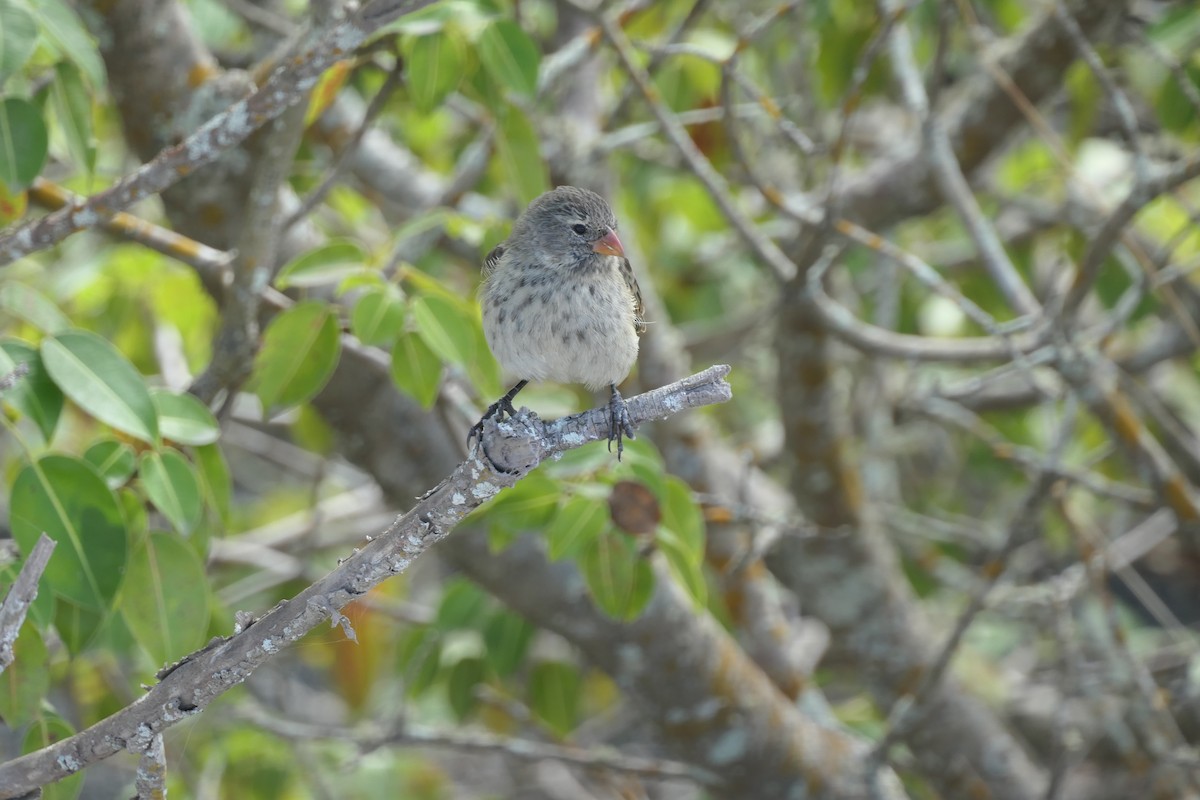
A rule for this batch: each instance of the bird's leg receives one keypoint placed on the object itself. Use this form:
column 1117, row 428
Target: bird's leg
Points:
column 503, row 404
column 619, row 423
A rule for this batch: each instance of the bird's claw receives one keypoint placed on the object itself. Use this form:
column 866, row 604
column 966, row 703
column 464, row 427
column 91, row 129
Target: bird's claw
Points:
column 502, row 407
column 619, row 423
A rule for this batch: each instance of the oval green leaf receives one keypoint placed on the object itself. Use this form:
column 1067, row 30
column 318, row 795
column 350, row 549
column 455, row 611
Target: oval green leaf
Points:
column 101, row 381
column 377, row 318
column 182, row 418
column 35, row 395
column 520, row 155
column 23, row 142
column 434, row 67
column 461, row 684
column 330, row 263
column 620, row 580
column 72, row 103
column 114, row 461
column 554, row 695
column 416, row 369
column 507, row 637
column 214, row 476
column 165, row 598
column 300, row 350
column 172, row 486
column 683, row 521
column 18, row 38
column 445, row 327
column 64, row 497
column 510, row 56
column 576, row 526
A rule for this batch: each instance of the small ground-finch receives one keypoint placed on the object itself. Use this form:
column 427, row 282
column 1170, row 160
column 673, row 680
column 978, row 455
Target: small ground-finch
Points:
column 560, row 302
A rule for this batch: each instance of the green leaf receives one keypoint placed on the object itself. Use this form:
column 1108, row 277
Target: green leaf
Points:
column 420, row 659
column 464, row 677
column 576, row 526
column 554, row 693
column 72, row 103
column 64, row 497
column 214, row 476
column 445, row 327
column 26, row 680
column 507, row 637
column 49, row 729
column 299, row 352
column 64, row 31
column 620, row 580
column 23, row 142
column 114, row 461
column 25, row 302
column 688, row 572
column 520, row 155
column 327, row 264
column 510, row 56
column 377, row 318
column 35, row 395
column 683, row 521
column 18, row 38
column 79, row 626
column 101, row 381
column 416, row 369
column 172, row 486
column 434, row 67
column 165, row 598
column 184, row 419
column 529, row 505
column 462, row 606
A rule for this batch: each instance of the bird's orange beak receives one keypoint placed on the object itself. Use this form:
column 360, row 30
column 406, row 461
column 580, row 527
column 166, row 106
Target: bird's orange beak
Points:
column 609, row 245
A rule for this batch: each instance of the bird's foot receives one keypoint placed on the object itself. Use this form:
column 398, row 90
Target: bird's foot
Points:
column 503, row 405
column 619, row 423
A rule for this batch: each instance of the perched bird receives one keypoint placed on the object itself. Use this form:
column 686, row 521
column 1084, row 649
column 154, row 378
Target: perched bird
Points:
column 560, row 302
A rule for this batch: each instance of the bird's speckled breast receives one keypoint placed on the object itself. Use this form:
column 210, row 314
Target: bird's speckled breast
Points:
column 566, row 325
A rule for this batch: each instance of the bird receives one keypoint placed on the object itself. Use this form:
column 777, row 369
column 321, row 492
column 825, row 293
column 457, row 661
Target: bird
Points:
column 561, row 303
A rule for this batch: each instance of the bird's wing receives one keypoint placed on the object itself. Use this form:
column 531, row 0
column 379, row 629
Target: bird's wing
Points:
column 493, row 259
column 639, row 324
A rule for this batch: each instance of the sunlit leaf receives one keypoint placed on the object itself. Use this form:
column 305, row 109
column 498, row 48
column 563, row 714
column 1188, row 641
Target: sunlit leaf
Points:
column 299, row 352
column 377, row 318
column 435, row 66
column 510, row 56
column 445, row 327
column 184, row 419
column 324, row 265
column 25, row 302
column 101, row 381
column 114, row 461
column 520, row 154
column 416, row 369
column 171, row 484
column 575, row 526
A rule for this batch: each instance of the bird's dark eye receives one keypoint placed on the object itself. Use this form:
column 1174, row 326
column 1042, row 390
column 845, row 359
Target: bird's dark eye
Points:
column 579, row 228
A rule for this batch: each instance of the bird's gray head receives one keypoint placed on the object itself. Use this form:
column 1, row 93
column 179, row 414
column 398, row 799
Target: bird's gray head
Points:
column 569, row 224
